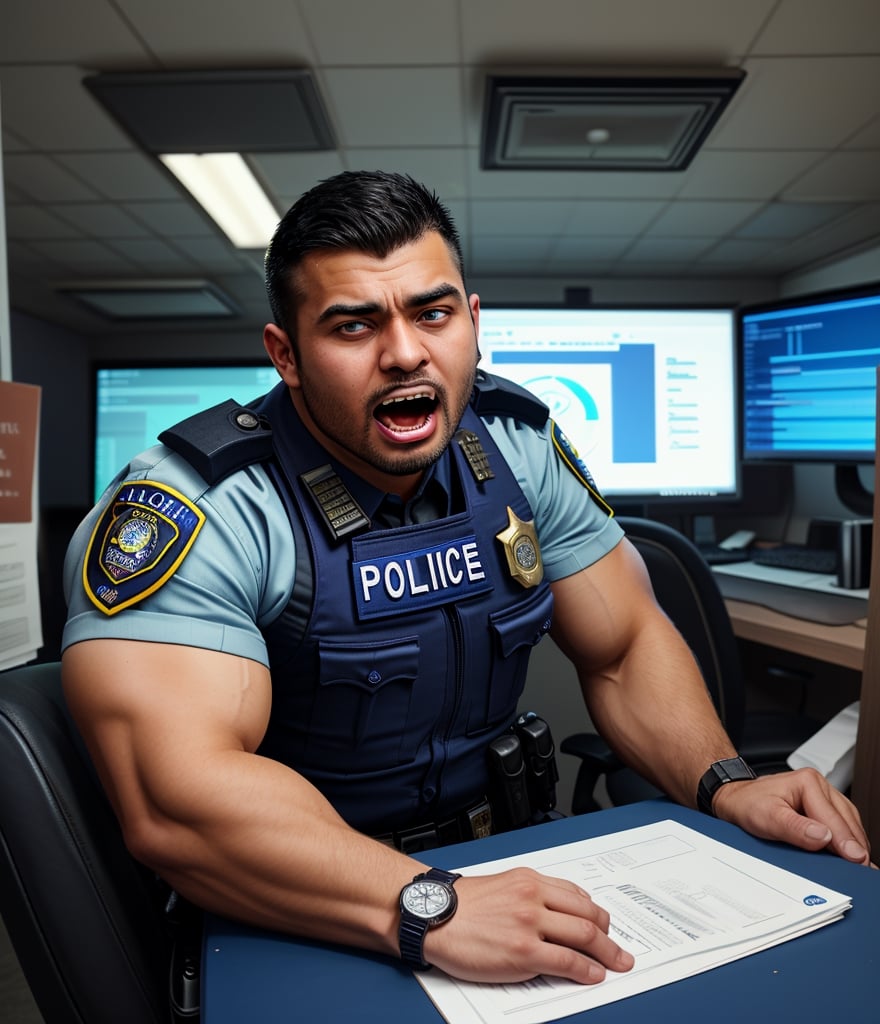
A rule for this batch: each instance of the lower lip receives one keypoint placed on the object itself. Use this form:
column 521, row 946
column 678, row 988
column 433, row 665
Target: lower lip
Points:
column 422, row 433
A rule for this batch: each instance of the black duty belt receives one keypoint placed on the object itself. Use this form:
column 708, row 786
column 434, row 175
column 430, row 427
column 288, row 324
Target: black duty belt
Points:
column 473, row 823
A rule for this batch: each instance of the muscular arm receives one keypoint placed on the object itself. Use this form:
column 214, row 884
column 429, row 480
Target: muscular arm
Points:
column 173, row 732
column 645, row 694
column 640, row 681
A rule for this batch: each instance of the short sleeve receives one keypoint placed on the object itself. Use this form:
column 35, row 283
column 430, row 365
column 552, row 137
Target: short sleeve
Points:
column 225, row 587
column 574, row 529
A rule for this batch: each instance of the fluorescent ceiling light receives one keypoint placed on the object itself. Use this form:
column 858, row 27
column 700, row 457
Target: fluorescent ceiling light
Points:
column 227, row 189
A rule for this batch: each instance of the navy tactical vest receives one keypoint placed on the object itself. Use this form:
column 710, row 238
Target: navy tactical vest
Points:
column 418, row 638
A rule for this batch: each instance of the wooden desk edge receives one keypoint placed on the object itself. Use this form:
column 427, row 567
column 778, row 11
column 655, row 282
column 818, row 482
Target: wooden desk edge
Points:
column 841, row 645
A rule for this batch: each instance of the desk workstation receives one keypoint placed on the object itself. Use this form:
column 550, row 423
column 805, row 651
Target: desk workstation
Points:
column 796, row 612
column 250, row 974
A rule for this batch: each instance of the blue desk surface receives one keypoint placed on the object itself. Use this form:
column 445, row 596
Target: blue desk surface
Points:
column 830, row 974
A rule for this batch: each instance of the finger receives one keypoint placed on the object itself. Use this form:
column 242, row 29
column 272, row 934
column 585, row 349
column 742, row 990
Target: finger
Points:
column 584, row 936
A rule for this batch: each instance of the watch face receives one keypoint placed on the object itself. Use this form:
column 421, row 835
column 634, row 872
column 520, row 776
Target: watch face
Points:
column 427, row 900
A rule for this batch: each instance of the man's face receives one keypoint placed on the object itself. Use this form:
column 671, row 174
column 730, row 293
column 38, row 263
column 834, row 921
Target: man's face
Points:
column 386, row 356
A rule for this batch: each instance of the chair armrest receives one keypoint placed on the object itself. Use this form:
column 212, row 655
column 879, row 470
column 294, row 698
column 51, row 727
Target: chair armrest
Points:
column 597, row 759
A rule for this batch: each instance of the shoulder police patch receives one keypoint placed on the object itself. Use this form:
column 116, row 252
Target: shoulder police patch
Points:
column 138, row 543
column 568, row 453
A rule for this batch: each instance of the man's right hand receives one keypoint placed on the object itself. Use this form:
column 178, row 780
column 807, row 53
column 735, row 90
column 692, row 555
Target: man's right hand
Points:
column 518, row 924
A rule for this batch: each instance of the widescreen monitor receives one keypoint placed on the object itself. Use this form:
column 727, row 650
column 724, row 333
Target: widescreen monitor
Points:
column 134, row 404
column 809, row 377
column 648, row 397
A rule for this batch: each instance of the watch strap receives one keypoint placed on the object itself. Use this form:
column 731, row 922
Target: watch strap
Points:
column 411, row 934
column 718, row 774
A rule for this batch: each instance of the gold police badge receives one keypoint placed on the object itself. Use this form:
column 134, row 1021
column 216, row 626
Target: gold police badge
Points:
column 521, row 547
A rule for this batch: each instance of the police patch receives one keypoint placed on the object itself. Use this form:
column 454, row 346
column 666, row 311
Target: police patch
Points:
column 568, row 453
column 137, row 544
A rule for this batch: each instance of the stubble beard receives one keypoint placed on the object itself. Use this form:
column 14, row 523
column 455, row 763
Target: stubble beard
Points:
column 406, row 462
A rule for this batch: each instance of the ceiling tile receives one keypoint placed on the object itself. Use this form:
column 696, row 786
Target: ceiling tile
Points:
column 154, row 255
column 836, row 96
column 588, row 248
column 789, row 220
column 738, row 250
column 89, row 30
column 367, row 40
column 42, row 178
column 214, row 256
column 866, row 138
column 101, row 220
column 610, row 31
column 817, row 26
column 210, row 34
column 696, row 217
column 84, row 257
column 395, row 106
column 28, row 220
column 522, row 217
column 594, row 217
column 173, row 219
column 50, row 109
column 121, row 176
column 666, row 250
column 843, row 175
column 747, row 174
column 288, row 175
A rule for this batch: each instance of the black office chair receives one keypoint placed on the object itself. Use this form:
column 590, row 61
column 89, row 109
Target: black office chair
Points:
column 688, row 593
column 87, row 921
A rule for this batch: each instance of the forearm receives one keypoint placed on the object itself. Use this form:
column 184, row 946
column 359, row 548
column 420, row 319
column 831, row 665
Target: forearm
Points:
column 254, row 841
column 654, row 710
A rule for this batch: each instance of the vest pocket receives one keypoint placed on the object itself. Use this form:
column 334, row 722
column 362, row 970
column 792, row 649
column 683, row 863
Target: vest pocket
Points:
column 514, row 632
column 361, row 714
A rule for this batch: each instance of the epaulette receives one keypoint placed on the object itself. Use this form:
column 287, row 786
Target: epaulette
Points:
column 220, row 440
column 495, row 396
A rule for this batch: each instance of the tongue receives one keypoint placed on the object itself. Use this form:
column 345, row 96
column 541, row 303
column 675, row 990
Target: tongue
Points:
column 400, row 420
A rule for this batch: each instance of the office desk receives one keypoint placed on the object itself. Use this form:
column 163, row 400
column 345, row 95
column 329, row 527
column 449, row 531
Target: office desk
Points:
column 812, row 618
column 840, row 645
column 830, row 974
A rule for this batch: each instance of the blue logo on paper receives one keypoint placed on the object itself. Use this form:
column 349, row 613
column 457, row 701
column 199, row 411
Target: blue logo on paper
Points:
column 814, row 901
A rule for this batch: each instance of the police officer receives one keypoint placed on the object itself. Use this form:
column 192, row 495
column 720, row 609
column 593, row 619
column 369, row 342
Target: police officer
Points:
column 295, row 628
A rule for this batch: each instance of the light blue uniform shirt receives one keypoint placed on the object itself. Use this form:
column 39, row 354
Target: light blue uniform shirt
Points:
column 239, row 573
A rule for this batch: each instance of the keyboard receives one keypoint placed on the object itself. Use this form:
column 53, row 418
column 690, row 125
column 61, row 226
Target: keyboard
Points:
column 714, row 554
column 797, row 556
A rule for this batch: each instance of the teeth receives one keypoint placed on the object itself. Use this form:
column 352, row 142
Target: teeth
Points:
column 405, row 398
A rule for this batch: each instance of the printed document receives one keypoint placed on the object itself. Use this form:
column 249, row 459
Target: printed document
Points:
column 20, row 627
column 679, row 901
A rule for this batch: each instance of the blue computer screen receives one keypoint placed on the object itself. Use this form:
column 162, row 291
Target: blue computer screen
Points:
column 648, row 397
column 134, row 404
column 809, row 377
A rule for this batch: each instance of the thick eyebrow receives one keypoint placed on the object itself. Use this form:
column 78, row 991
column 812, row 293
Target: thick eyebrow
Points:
column 442, row 291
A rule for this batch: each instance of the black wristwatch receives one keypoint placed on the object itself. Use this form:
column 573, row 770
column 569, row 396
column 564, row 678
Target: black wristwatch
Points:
column 731, row 769
column 426, row 901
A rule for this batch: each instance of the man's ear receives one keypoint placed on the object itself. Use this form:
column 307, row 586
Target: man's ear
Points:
column 280, row 351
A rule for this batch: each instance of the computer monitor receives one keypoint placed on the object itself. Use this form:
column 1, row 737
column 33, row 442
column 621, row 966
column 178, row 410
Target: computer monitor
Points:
column 134, row 404
column 809, row 366
column 648, row 397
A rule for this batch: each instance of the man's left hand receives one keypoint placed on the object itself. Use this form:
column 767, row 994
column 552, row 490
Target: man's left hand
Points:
column 799, row 807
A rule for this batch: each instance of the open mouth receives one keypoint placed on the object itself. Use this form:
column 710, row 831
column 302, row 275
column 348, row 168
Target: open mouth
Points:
column 407, row 415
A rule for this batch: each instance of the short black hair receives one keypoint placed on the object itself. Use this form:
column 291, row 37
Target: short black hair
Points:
column 374, row 212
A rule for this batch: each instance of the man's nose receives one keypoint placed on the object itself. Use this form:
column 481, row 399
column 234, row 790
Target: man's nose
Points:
column 402, row 347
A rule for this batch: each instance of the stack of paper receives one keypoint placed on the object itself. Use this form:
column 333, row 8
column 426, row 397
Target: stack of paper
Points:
column 679, row 901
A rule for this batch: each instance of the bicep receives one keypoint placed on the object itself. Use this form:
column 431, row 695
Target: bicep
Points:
column 602, row 611
column 150, row 713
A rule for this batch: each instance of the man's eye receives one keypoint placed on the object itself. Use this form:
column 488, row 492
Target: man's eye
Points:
column 434, row 315
column 352, row 327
